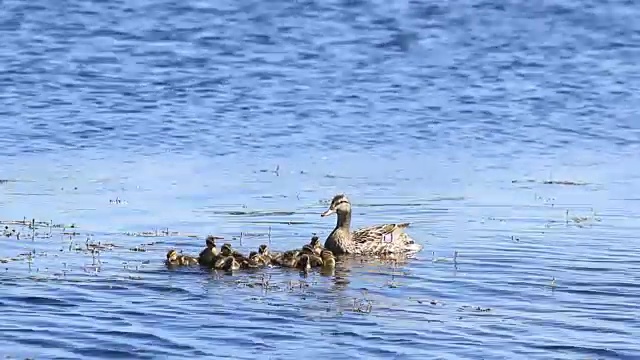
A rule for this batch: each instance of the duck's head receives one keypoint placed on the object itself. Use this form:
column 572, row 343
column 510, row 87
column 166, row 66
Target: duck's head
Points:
column 315, row 241
column 263, row 249
column 253, row 254
column 339, row 204
column 226, row 249
column 211, row 242
column 172, row 255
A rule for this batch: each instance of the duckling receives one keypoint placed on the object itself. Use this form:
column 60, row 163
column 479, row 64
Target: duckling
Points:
column 172, row 258
column 287, row 259
column 288, row 262
column 303, row 263
column 249, row 262
column 220, row 260
column 273, row 256
column 291, row 253
column 315, row 260
column 187, row 260
column 258, row 259
column 315, row 243
column 208, row 255
column 265, row 253
column 227, row 250
column 308, row 249
column 230, row 264
column 328, row 260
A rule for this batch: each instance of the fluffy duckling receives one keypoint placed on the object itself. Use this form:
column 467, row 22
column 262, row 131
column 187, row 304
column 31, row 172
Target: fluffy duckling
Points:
column 303, row 263
column 308, row 249
column 209, row 254
column 220, row 260
column 315, row 244
column 258, row 258
column 188, row 260
column 172, row 258
column 274, row 256
column 239, row 261
column 328, row 260
column 252, row 262
column 315, row 260
column 287, row 259
column 265, row 253
column 229, row 264
column 227, row 250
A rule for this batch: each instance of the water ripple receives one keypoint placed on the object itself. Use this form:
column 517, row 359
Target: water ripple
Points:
column 246, row 117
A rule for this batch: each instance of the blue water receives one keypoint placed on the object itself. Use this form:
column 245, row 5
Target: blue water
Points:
column 423, row 112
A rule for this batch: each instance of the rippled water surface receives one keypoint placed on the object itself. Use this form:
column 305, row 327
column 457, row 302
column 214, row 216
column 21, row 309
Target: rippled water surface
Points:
column 230, row 117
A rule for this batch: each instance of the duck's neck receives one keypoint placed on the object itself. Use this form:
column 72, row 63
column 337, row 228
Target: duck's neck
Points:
column 339, row 242
column 344, row 221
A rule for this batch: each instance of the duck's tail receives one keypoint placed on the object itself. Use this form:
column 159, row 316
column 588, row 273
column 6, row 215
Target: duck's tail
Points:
column 413, row 248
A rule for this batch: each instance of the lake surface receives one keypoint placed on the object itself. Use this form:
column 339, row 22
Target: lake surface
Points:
column 230, row 117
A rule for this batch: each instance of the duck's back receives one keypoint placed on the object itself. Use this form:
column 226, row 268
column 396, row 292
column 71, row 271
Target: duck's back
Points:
column 384, row 239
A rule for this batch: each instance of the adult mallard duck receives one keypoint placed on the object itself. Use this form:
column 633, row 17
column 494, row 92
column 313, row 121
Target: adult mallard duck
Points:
column 208, row 254
column 373, row 240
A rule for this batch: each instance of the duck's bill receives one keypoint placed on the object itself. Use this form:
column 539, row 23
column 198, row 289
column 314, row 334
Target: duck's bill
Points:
column 327, row 213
